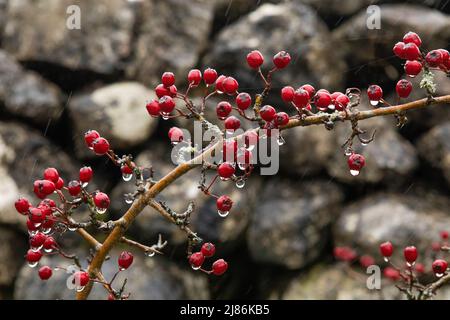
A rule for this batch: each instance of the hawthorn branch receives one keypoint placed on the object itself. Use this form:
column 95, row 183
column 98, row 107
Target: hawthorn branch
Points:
column 148, row 197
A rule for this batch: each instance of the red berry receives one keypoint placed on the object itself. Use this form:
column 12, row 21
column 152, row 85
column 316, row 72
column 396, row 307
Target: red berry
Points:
column 420, row 268
column 49, row 243
column 287, row 94
column 208, row 249
column 281, row 59
column 410, row 254
column 232, row 123
column 33, row 256
column 355, row 163
column 101, row 146
column 168, row 79
column 391, row 273
column 366, row 261
column 74, row 188
column 445, row 54
column 386, row 249
column 439, row 266
column 413, row 68
column 219, row 267
column 126, row 170
column 196, row 260
column 399, row 50
column 255, row 59
column 281, row 119
column 51, row 174
column 411, row 51
column 225, row 170
column 90, row 136
column 194, row 77
column 101, row 200
column 209, row 76
column 268, row 113
column 444, row 235
column 403, row 88
column 31, row 226
column 111, row 297
column 37, row 240
column 153, row 108
column 161, row 91
column 344, row 254
column 223, row 109
column 243, row 100
column 22, row 205
column 434, row 58
column 374, row 92
column 341, row 102
column 59, row 184
column 224, row 203
column 322, row 100
column 81, row 278
column 175, row 135
column 412, row 37
column 125, row 260
column 219, row 83
column 45, row 272
column 43, row 188
column 436, row 246
column 86, row 174
column 230, row 85
column 36, row 215
column 309, row 88
column 301, row 98
column 166, row 104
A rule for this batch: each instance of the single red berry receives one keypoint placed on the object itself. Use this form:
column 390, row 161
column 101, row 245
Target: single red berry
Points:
column 391, row 273
column 243, row 100
column 126, row 170
column 36, row 215
column 45, row 208
column 43, row 188
column 125, row 260
column 90, row 136
column 355, row 163
column 322, row 100
column 49, row 243
column 232, row 123
column 81, row 278
column 31, row 226
column 341, row 102
column 48, row 223
column 420, row 268
column 386, row 249
column 101, row 200
column 281, row 119
column 22, row 205
column 366, row 261
column 413, row 68
column 219, row 83
column 59, row 184
column 255, row 59
column 168, row 79
column 194, row 77
column 399, row 50
column 86, row 174
column 74, row 188
column 101, row 146
column 37, row 240
column 287, row 94
column 208, row 249
column 225, row 170
column 375, row 93
column 410, row 254
column 166, row 104
column 403, row 88
column 153, row 108
column 344, row 254
column 176, row 135
column 33, row 256
column 439, row 267
column 161, row 91
column 230, row 85
column 209, row 76
column 268, row 113
column 411, row 51
column 224, row 203
column 45, row 272
column 281, row 59
column 301, row 98
column 436, row 246
column 229, row 150
column 51, row 174
column 412, row 37
column 111, row 297
column 444, row 235
column 223, row 109
column 219, row 267
column 309, row 88
column 434, row 58
column 196, row 260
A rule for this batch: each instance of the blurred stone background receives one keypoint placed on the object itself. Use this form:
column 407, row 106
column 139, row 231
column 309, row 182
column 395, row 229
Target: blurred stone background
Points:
column 56, row 83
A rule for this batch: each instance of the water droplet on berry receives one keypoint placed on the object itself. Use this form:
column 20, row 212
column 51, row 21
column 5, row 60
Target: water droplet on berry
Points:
column 85, row 184
column 374, row 102
column 165, row 115
column 331, row 107
column 280, row 140
column 194, row 267
column 240, row 183
column 242, row 166
column 32, row 233
column 150, row 253
column 224, row 179
column 386, row 259
column 364, row 144
column 354, row 172
column 36, row 249
column 37, row 225
column 79, row 289
column 128, row 201
column 411, row 76
column 100, row 210
column 223, row 214
column 348, row 152
column 72, row 229
column 439, row 275
column 127, row 177
column 32, row 264
column 56, row 268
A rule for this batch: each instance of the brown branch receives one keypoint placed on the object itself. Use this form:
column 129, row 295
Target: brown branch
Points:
column 139, row 205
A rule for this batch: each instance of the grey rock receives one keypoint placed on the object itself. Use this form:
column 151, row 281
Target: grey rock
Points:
column 434, row 146
column 156, row 49
column 148, row 278
column 336, row 7
column 288, row 227
column 12, row 247
column 116, row 111
column 37, row 31
column 271, row 28
column 26, row 94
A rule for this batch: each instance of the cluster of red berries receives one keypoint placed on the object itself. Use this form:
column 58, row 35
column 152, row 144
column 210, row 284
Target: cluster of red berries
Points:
column 96, row 143
column 208, row 250
column 349, row 255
